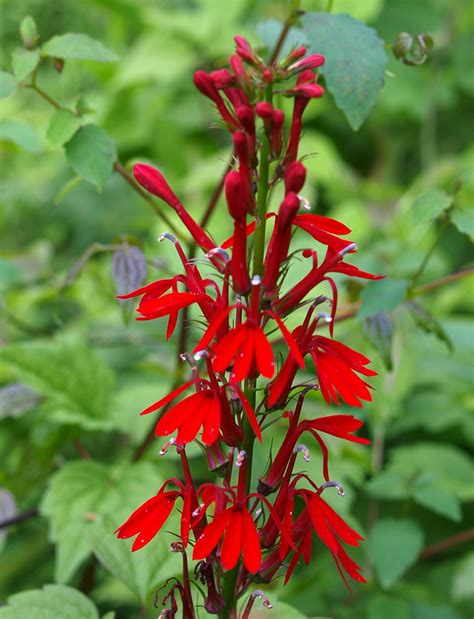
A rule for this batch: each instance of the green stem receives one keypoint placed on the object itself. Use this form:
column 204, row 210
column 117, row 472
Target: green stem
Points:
column 444, row 224
column 229, row 592
column 330, row 6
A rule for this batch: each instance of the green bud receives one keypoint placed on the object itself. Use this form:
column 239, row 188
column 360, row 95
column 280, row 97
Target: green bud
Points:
column 29, row 32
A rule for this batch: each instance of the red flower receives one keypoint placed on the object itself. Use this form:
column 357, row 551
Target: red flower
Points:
column 239, row 537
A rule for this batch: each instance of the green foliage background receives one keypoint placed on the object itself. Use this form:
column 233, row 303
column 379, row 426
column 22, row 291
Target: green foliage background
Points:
column 75, row 371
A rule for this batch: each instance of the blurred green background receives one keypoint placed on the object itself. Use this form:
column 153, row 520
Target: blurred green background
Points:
column 75, row 370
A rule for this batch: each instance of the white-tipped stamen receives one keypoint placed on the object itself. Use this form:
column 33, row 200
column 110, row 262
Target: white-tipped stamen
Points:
column 166, row 446
column 304, row 450
column 304, row 203
column 169, row 236
column 198, row 510
column 240, row 458
column 350, row 247
column 258, row 593
column 333, row 484
column 257, row 514
column 200, row 354
column 219, row 251
column 324, row 316
column 256, row 280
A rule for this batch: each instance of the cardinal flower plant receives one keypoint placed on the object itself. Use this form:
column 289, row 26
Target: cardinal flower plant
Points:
column 242, row 527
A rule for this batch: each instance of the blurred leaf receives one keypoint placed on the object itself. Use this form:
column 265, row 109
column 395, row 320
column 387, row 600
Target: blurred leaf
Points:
column 355, row 61
column 429, row 205
column 463, row 579
column 7, row 84
column 421, row 611
column 428, row 323
column 79, row 493
column 77, row 47
column 77, row 383
column 91, row 153
column 24, row 62
column 367, row 10
column 22, row 134
column 436, row 499
column 412, row 49
column 270, row 30
column 394, row 546
column 382, row 295
column 388, row 485
column 29, row 32
column 388, row 608
column 463, row 219
column 129, row 269
column 52, row 602
column 16, row 399
column 379, row 331
column 62, row 126
column 7, row 510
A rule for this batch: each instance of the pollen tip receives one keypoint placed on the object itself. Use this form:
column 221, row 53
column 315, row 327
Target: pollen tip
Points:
column 169, row 236
column 348, row 248
column 240, row 458
column 221, row 252
column 256, row 280
column 305, row 203
column 200, row 354
column 333, row 484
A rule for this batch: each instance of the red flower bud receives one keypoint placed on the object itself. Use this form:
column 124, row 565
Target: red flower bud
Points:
column 235, row 195
column 312, row 91
column 205, row 84
column 264, row 109
column 222, row 78
column 278, row 118
column 244, row 50
column 310, row 62
column 295, row 176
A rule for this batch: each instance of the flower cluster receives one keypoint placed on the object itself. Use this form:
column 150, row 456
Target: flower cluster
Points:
column 240, row 529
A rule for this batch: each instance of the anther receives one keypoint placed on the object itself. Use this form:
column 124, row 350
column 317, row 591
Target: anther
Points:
column 324, row 316
column 256, row 280
column 200, row 354
column 166, row 446
column 332, row 484
column 169, row 236
column 258, row 593
column 348, row 248
column 304, row 203
column 304, row 450
column 221, row 252
column 240, row 458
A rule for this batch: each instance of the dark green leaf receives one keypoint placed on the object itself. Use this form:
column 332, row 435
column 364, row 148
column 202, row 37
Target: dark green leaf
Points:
column 388, row 608
column 388, row 485
column 7, row 84
column 382, row 295
column 91, row 153
column 355, row 61
column 379, row 331
column 52, row 602
column 62, row 126
column 428, row 323
column 21, row 134
column 463, row 581
column 394, row 546
column 429, row 495
column 430, row 204
column 422, row 611
column 24, row 62
column 73, row 46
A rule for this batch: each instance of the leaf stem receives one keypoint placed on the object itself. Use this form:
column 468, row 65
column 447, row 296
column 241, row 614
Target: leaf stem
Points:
column 443, row 225
column 290, row 20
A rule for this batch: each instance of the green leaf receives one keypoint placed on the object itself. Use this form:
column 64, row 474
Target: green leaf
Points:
column 21, row 134
column 429, row 205
column 270, row 30
column 388, row 485
column 437, row 500
column 51, row 602
column 7, row 84
column 379, row 331
column 140, row 571
column 463, row 219
column 81, row 492
column 421, row 611
column 394, row 546
column 355, row 61
column 388, row 608
column 428, row 323
column 77, row 383
column 92, row 154
column 381, row 295
column 72, row 46
column 24, row 62
column 63, row 125
column 463, row 581
column 29, row 32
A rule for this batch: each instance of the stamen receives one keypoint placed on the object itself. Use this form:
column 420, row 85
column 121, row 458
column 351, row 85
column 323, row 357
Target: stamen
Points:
column 256, row 280
column 166, row 446
column 221, row 252
column 258, row 593
column 304, row 450
column 324, row 316
column 304, row 203
column 200, row 354
column 240, row 458
column 188, row 358
column 169, row 236
column 198, row 510
column 332, row 484
column 348, row 248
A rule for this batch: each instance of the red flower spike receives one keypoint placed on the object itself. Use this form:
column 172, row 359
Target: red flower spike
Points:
column 235, row 195
column 245, row 51
column 205, row 84
column 295, row 177
column 154, row 182
column 278, row 118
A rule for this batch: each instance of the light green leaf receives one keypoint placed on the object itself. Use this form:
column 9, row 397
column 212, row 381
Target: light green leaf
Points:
column 388, row 608
column 21, row 134
column 76, row 382
column 463, row 580
column 437, row 500
column 429, row 205
column 91, row 153
column 463, row 219
column 355, row 61
column 7, row 84
column 73, row 46
column 81, row 492
column 381, row 295
column 421, row 611
column 24, row 62
column 63, row 125
column 394, row 546
column 388, row 485
column 52, row 602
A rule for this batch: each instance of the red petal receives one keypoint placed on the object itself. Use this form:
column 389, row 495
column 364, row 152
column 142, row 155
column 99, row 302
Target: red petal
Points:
column 156, row 288
column 212, row 419
column 171, row 396
column 211, row 535
column 250, row 543
column 212, row 328
column 231, row 547
column 324, row 223
column 263, row 353
column 227, row 348
column 289, row 339
column 250, row 413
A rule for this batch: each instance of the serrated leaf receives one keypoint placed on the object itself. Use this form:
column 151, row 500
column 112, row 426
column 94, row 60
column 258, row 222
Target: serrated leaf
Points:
column 7, row 84
column 74, row 46
column 429, row 323
column 379, row 331
column 394, row 546
column 75, row 381
column 429, row 205
column 437, row 500
column 91, row 153
column 83, row 491
column 355, row 61
column 52, row 602
column 388, row 608
column 382, row 295
column 21, row 134
column 24, row 62
column 62, row 126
